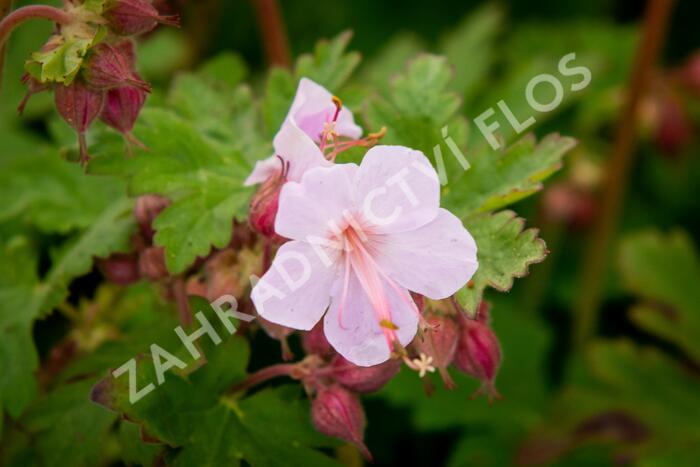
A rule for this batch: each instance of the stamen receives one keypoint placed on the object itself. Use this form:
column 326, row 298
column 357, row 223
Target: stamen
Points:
column 338, row 106
column 422, row 365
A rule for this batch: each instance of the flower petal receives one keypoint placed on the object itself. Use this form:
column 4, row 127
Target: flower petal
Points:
column 313, row 107
column 352, row 327
column 263, row 170
column 295, row 291
column 313, row 206
column 296, row 148
column 434, row 260
column 397, row 189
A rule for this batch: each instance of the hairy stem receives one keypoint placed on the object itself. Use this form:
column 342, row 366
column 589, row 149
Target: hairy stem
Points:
column 273, row 32
column 20, row 15
column 617, row 171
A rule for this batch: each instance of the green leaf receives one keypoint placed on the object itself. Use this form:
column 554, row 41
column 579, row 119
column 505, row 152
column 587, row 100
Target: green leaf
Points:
column 504, row 251
column 24, row 297
column 60, row 200
column 270, row 427
column 203, row 178
column 667, row 399
column 665, row 270
column 498, row 179
column 391, row 57
column 279, row 93
column 227, row 68
column 61, row 64
column 68, row 429
column 18, row 356
column 470, row 48
column 421, row 113
column 329, row 65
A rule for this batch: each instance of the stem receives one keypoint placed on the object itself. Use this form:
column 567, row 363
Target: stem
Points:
column 619, row 164
column 274, row 34
column 260, row 376
column 183, row 305
column 5, row 6
column 23, row 14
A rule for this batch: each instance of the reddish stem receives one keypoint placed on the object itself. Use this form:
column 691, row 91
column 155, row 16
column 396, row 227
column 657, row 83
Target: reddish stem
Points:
column 617, row 171
column 183, row 304
column 267, row 373
column 274, row 34
column 23, row 14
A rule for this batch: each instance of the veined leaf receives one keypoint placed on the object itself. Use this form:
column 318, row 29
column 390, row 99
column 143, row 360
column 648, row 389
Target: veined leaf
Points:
column 665, row 270
column 54, row 195
column 269, row 428
column 24, row 297
column 498, row 179
column 504, row 251
column 203, row 178
column 329, row 65
column 470, row 48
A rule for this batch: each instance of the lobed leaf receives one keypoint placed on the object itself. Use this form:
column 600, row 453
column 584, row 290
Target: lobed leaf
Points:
column 504, row 251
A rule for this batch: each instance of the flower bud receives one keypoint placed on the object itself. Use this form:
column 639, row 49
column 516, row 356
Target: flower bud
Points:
column 690, row 74
column 674, row 129
column 363, row 379
column 133, row 17
column 315, row 342
column 152, row 263
column 79, row 105
column 110, row 67
column 478, row 354
column 337, row 412
column 122, row 108
column 564, row 202
column 263, row 207
column 146, row 210
column 439, row 341
column 121, row 268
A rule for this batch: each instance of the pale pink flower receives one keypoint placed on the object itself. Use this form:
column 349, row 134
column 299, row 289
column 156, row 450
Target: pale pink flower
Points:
column 313, row 111
column 362, row 238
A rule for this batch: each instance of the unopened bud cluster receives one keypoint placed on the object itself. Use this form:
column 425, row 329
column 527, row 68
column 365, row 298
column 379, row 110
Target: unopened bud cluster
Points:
column 106, row 85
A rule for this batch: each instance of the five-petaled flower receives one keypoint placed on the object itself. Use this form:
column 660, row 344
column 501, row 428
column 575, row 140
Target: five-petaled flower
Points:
column 362, row 237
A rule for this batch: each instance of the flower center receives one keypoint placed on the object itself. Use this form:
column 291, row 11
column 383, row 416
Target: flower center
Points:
column 358, row 260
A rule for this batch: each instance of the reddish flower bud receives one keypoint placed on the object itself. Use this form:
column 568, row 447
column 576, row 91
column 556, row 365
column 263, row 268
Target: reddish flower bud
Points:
column 440, row 342
column 674, row 130
column 263, row 208
column 337, row 412
column 566, row 203
column 478, row 354
column 121, row 268
column 690, row 74
column 110, row 67
column 146, row 210
column 133, row 17
column 315, row 342
column 363, row 379
column 122, row 108
column 152, row 263
column 33, row 87
column 79, row 105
